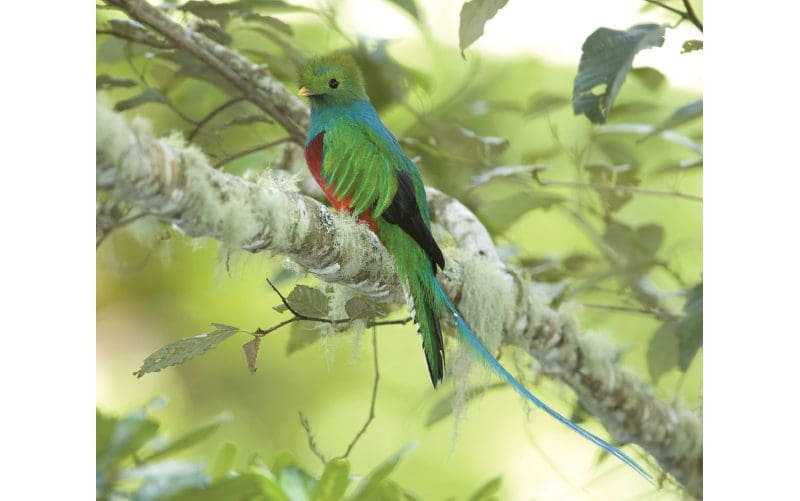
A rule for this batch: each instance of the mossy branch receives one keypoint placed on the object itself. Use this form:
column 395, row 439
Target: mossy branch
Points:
column 176, row 183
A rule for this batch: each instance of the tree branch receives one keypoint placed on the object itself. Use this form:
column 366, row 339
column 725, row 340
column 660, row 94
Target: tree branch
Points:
column 176, row 183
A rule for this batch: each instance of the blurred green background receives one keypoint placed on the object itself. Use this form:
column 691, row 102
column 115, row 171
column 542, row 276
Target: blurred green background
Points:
column 155, row 286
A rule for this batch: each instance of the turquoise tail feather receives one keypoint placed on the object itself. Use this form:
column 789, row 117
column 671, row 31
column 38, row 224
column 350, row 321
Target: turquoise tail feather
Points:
column 467, row 335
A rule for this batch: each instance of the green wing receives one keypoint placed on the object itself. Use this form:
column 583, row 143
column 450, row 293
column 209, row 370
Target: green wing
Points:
column 361, row 165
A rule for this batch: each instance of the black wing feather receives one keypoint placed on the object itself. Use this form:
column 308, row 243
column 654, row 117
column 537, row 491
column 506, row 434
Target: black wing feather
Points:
column 404, row 212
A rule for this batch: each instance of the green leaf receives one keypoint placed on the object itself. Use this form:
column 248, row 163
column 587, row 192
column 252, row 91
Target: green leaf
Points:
column 662, row 352
column 296, row 483
column 248, row 486
column 333, row 482
column 474, row 15
column 104, row 429
column 488, row 491
column 616, row 175
column 246, row 120
column 368, row 488
column 109, row 82
column 251, row 353
column 690, row 328
column 541, row 103
column 500, row 215
column 649, row 77
column 134, row 30
column 359, row 307
column 223, row 461
column 301, row 336
column 189, row 439
column 308, row 301
column 444, row 407
column 270, row 21
column 681, row 116
column 180, row 351
column 409, row 6
column 606, row 60
column 634, row 247
column 691, row 46
column 129, row 434
column 150, row 95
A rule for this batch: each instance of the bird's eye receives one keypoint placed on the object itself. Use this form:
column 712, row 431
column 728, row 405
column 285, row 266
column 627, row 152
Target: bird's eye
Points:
column 333, row 83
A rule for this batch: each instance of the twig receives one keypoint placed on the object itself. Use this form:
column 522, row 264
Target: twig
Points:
column 625, row 189
column 248, row 151
column 374, row 394
column 334, row 322
column 660, row 314
column 692, row 16
column 122, row 222
column 688, row 15
column 213, row 55
column 312, row 444
column 212, row 114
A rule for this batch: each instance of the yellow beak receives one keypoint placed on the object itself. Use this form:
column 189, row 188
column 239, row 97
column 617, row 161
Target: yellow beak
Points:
column 304, row 92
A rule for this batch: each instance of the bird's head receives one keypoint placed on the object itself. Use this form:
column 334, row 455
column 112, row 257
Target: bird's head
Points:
column 332, row 79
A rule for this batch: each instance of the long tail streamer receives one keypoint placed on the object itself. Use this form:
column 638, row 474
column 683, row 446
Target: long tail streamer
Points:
column 478, row 346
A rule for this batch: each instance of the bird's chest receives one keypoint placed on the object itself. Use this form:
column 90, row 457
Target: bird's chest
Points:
column 313, row 153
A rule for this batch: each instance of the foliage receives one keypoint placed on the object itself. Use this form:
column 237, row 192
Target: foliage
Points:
column 603, row 216
column 135, row 462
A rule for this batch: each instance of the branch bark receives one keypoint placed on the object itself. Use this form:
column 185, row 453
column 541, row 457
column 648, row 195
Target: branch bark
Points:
column 175, row 183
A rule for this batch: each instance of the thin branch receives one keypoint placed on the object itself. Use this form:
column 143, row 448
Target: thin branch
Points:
column 688, row 15
column 312, row 444
column 212, row 114
column 661, row 315
column 122, row 222
column 625, row 189
column 270, row 96
column 371, row 415
column 248, row 151
column 692, row 15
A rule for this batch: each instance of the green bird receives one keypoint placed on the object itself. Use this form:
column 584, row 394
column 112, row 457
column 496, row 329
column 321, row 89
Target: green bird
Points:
column 361, row 168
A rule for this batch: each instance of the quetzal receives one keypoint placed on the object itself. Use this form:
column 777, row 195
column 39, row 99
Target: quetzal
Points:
column 361, row 168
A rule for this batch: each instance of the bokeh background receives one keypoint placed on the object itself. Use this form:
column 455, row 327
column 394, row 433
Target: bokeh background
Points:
column 155, row 286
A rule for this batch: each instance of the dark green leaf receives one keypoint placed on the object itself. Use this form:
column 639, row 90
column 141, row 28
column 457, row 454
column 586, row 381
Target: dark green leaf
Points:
column 635, row 248
column 135, row 31
column 488, row 491
column 370, row 485
column 662, row 353
column 444, row 406
column 273, row 22
column 251, row 353
column 334, row 481
column 104, row 429
column 109, row 82
column 150, row 95
column 180, row 351
column 650, row 77
column 409, row 6
column 358, row 307
column 690, row 328
column 280, row 308
column 301, row 335
column 189, row 439
column 607, row 57
column 308, row 302
column 219, row 12
column 681, row 116
column 223, row 461
column 691, row 45
column 474, row 15
column 214, row 32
